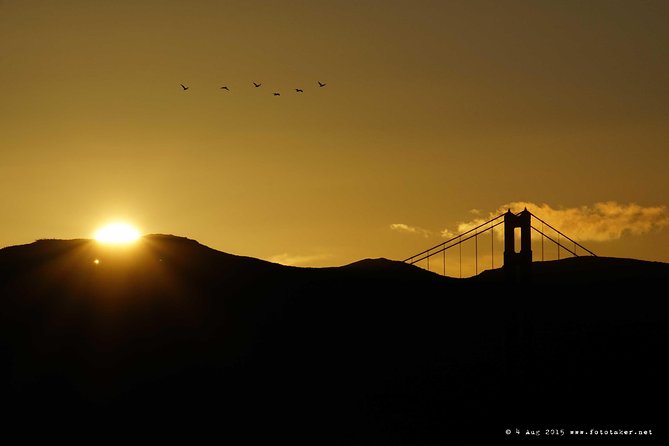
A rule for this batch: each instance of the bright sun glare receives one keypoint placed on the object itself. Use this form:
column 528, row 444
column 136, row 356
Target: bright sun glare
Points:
column 117, row 233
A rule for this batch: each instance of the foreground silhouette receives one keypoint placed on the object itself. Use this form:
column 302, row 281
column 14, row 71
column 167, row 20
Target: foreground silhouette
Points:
column 170, row 338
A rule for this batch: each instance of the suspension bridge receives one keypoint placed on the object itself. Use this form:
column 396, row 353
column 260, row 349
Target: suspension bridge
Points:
column 517, row 254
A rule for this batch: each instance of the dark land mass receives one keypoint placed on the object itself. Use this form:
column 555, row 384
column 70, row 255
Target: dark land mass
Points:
column 171, row 339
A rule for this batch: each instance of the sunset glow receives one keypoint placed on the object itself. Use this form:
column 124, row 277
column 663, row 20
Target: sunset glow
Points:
column 390, row 127
column 117, row 233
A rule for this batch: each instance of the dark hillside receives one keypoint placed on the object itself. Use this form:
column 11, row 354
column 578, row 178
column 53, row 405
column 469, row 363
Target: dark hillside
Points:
column 173, row 338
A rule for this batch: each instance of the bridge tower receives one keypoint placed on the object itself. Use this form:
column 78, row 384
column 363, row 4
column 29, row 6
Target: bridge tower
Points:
column 517, row 264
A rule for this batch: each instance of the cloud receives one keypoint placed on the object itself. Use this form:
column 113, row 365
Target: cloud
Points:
column 446, row 233
column 297, row 260
column 599, row 222
column 401, row 227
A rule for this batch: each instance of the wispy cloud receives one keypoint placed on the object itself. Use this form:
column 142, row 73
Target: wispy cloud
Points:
column 298, row 260
column 447, row 233
column 599, row 222
column 401, row 227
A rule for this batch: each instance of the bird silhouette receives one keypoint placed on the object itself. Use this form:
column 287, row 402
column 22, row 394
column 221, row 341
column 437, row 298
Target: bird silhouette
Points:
column 299, row 90
column 277, row 94
column 321, row 84
column 225, row 88
column 184, row 87
column 256, row 85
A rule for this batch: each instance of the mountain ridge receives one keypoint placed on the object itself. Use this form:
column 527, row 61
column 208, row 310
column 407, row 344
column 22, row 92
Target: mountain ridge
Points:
column 56, row 245
column 374, row 352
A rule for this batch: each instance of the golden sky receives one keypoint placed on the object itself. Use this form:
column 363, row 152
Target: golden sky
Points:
column 435, row 113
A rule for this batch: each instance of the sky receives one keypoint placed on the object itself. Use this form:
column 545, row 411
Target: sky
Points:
column 435, row 115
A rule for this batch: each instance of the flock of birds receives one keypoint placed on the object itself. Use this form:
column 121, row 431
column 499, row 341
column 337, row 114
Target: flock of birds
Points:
column 257, row 85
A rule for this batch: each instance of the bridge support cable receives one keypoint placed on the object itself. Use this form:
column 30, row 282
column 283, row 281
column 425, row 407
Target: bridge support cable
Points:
column 460, row 248
column 557, row 242
column 438, row 249
column 514, row 258
column 457, row 239
column 542, row 241
column 492, row 247
column 565, row 236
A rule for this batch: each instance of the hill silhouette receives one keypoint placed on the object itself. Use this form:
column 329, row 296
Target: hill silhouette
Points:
column 171, row 338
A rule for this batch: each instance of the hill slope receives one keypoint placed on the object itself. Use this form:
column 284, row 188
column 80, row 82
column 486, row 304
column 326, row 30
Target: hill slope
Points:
column 170, row 332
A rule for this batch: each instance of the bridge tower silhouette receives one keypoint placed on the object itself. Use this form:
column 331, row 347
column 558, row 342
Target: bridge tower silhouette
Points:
column 518, row 263
column 517, row 253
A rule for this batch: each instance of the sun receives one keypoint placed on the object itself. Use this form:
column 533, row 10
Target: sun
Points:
column 117, row 233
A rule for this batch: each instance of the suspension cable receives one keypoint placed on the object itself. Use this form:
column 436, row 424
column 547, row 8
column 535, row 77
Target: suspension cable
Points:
column 452, row 239
column 556, row 242
column 565, row 236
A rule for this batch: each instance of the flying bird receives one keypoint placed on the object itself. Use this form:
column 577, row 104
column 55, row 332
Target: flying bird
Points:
column 321, row 84
column 277, row 94
column 225, row 88
column 299, row 90
column 184, row 87
column 256, row 85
